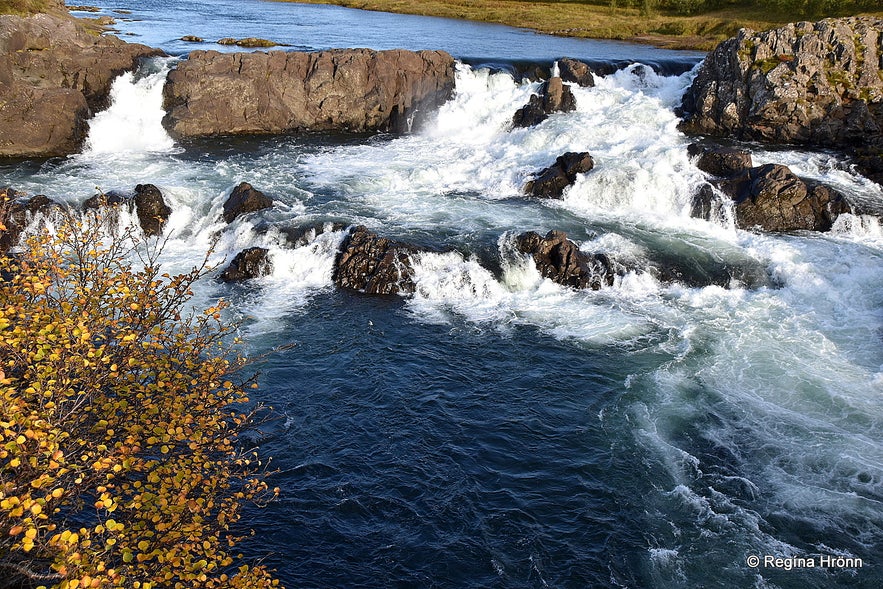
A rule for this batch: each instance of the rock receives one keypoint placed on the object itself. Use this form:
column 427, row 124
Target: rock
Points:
column 301, row 236
column 373, row 264
column 247, row 42
column 772, row 198
column 53, row 77
column 354, row 90
column 245, row 199
column 551, row 182
column 253, row 262
column 556, row 97
column 702, row 205
column 576, row 72
column 152, row 210
column 147, row 203
column 812, row 83
column 720, row 161
column 560, row 260
column 17, row 213
column 192, row 39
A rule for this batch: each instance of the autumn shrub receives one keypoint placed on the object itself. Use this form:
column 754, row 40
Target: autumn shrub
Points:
column 121, row 421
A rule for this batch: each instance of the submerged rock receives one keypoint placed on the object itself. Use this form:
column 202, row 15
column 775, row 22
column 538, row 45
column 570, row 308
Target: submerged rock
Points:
column 816, row 83
column 250, row 263
column 551, row 182
column 53, row 77
column 560, row 260
column 373, row 264
column 247, row 42
column 353, row 90
column 555, row 96
column 244, row 198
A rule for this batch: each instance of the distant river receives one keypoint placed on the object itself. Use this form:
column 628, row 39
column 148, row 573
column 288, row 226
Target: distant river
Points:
column 495, row 429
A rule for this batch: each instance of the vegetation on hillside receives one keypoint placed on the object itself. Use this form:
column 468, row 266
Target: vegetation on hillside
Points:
column 686, row 24
column 24, row 7
column 121, row 422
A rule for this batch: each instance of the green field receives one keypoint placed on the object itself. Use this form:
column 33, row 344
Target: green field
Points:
column 679, row 24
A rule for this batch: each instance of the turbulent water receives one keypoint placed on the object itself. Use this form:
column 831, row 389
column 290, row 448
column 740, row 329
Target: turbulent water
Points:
column 495, row 429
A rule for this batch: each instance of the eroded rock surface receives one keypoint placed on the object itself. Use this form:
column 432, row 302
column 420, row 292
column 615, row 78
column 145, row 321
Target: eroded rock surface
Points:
column 551, row 182
column 146, row 202
column 250, row 263
column 354, row 90
column 560, row 260
column 373, row 264
column 245, row 198
column 554, row 96
column 53, row 77
column 18, row 211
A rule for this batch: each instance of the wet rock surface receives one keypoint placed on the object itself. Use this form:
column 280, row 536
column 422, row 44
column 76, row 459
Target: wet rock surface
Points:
column 576, row 72
column 550, row 182
column 374, row 265
column 146, row 202
column 555, row 96
column 17, row 211
column 243, row 199
column 560, row 260
column 248, row 264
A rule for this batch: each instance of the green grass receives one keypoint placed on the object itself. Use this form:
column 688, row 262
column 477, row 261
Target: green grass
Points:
column 660, row 26
column 25, row 7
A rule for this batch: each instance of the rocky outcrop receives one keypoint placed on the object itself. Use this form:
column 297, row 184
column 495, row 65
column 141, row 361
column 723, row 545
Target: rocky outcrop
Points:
column 818, row 83
column 560, row 260
column 551, row 182
column 53, row 77
column 373, row 264
column 250, row 263
column 576, row 72
column 555, row 96
column 17, row 212
column 772, row 198
column 244, row 198
column 247, row 42
column 146, row 202
column 354, row 90
column 719, row 161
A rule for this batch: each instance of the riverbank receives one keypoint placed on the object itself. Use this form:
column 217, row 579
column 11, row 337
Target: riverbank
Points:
column 665, row 30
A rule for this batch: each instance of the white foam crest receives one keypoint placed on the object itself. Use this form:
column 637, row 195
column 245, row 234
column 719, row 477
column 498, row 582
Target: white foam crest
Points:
column 132, row 124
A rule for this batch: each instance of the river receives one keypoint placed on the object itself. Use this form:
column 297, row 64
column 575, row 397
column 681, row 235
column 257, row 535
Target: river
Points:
column 495, row 429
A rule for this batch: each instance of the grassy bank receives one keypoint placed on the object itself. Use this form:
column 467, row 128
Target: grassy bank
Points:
column 597, row 19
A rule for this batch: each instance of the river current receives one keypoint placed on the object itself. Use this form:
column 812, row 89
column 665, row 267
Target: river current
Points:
column 495, row 429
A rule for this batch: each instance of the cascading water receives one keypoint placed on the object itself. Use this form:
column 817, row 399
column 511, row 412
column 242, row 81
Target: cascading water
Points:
column 495, row 428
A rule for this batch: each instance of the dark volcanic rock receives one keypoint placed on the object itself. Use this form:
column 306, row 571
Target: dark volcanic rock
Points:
column 249, row 263
column 773, row 198
column 576, row 72
column 18, row 213
column 245, row 199
column 53, row 77
column 300, row 236
column 560, row 260
column 720, row 161
column 374, row 264
column 153, row 212
column 147, row 202
column 803, row 83
column 702, row 205
column 353, row 90
column 555, row 96
column 551, row 182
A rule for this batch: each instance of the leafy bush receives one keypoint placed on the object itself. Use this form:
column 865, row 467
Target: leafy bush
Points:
column 121, row 416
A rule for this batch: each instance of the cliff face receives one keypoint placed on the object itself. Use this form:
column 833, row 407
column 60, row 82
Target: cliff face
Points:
column 344, row 90
column 53, row 76
column 818, row 83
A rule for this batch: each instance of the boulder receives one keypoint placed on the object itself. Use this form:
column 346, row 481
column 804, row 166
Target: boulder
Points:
column 576, row 72
column 53, row 77
column 720, row 161
column 551, row 182
column 373, row 264
column 192, row 39
column 152, row 210
column 147, row 203
column 243, row 199
column 812, row 83
column 17, row 212
column 772, row 198
column 354, row 90
column 253, row 262
column 560, row 260
column 555, row 96
column 247, row 42
column 301, row 236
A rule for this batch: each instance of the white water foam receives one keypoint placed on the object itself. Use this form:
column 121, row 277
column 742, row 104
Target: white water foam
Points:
column 133, row 122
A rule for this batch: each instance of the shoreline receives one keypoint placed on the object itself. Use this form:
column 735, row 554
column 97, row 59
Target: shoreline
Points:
column 700, row 32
